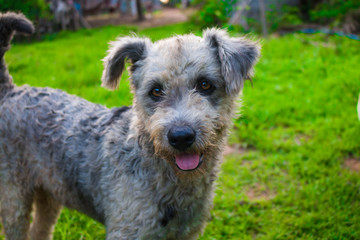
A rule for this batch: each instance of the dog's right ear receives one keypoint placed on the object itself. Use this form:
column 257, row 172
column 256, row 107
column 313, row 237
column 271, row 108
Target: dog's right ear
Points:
column 131, row 48
column 236, row 56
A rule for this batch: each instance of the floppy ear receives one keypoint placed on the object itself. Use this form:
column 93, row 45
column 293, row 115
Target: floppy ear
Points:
column 237, row 57
column 131, row 48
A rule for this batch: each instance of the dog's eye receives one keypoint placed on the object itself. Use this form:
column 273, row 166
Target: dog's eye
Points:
column 156, row 93
column 205, row 87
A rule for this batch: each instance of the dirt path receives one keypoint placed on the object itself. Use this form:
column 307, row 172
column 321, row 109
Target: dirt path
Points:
column 164, row 17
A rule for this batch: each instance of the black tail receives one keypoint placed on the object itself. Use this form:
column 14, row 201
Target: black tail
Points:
column 9, row 23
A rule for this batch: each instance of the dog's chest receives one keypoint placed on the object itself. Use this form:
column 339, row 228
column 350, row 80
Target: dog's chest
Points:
column 184, row 211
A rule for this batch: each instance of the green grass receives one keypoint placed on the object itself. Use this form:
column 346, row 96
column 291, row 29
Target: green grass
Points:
column 297, row 128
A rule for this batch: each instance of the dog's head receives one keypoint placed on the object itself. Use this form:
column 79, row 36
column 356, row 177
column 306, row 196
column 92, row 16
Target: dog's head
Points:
column 184, row 91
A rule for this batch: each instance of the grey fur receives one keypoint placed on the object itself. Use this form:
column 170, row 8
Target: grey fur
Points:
column 236, row 55
column 116, row 165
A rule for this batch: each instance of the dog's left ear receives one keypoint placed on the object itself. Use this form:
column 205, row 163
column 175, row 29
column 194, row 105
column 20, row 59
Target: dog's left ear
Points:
column 237, row 57
column 132, row 48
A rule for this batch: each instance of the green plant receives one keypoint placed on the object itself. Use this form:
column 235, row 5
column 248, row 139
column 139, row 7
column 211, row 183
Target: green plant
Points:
column 333, row 11
column 287, row 16
column 33, row 9
column 212, row 13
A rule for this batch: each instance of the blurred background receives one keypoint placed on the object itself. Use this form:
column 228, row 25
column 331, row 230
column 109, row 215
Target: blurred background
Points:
column 263, row 16
column 291, row 168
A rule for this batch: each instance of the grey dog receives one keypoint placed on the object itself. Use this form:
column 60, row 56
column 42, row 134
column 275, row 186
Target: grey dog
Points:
column 146, row 171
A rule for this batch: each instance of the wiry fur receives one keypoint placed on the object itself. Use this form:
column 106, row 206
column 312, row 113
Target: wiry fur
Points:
column 116, row 165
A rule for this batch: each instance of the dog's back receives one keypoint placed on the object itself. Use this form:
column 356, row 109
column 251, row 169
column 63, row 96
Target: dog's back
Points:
column 48, row 147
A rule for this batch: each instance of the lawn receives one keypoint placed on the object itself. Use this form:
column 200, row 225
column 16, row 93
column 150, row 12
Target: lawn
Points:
column 293, row 172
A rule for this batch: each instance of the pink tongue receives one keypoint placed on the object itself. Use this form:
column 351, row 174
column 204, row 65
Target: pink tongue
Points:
column 187, row 161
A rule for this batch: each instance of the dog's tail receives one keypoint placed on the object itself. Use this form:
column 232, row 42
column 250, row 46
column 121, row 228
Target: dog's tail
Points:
column 9, row 23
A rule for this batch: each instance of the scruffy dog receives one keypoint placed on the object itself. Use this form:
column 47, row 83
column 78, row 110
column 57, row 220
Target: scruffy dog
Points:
column 146, row 171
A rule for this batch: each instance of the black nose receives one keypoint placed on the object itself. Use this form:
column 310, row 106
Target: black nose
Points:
column 181, row 137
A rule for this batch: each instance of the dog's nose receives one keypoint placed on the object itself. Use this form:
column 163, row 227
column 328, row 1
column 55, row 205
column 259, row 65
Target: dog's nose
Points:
column 181, row 137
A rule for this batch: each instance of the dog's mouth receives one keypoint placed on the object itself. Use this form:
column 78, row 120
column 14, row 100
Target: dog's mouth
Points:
column 188, row 162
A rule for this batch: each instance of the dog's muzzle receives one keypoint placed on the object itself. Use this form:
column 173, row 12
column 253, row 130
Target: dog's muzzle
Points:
column 181, row 138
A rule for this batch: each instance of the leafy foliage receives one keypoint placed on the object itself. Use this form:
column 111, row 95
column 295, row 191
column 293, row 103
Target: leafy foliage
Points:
column 212, row 13
column 333, row 10
column 287, row 16
column 33, row 9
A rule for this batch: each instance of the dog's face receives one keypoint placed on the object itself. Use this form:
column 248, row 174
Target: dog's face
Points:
column 185, row 88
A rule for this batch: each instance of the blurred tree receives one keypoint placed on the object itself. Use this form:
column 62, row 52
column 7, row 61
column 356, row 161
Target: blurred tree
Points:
column 67, row 15
column 263, row 18
column 238, row 16
column 139, row 10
